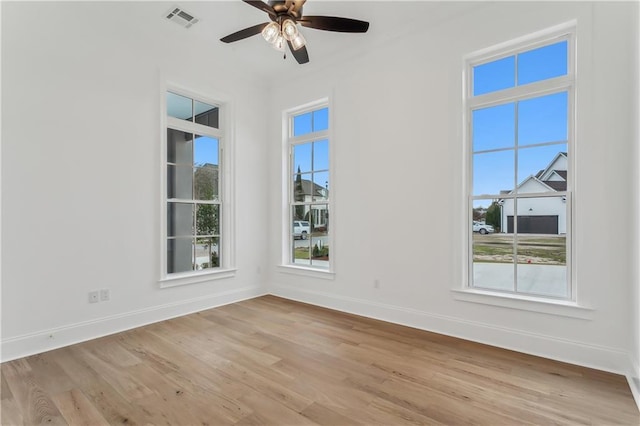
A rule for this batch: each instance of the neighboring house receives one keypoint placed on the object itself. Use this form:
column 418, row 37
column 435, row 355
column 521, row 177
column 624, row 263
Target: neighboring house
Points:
column 541, row 215
column 308, row 191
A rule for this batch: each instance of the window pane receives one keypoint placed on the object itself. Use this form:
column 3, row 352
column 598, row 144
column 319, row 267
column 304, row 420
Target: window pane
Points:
column 179, row 147
column 207, row 219
column 301, row 252
column 207, row 115
column 302, row 187
column 302, row 124
column 206, row 183
column 320, row 186
column 179, row 106
column 206, row 172
column 300, row 223
column 207, row 253
column 320, row 235
column 542, row 251
column 494, row 127
column 301, row 233
column 302, row 157
column 321, row 155
column 320, row 251
column 320, row 219
column 493, row 266
column 206, row 150
column 492, row 76
column 179, row 219
column 493, row 172
column 542, row 169
column 321, row 119
column 486, row 216
column 543, row 119
column 180, row 255
column 542, row 63
column 539, row 215
column 180, row 182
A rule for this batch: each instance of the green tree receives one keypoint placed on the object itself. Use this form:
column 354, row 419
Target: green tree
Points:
column 206, row 188
column 298, row 195
column 493, row 216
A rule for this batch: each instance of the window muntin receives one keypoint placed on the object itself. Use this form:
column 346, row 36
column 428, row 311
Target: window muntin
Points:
column 309, row 194
column 192, row 197
column 520, row 147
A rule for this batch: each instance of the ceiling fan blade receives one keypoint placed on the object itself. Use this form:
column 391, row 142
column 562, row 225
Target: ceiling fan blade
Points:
column 242, row 34
column 334, row 23
column 262, row 6
column 301, row 55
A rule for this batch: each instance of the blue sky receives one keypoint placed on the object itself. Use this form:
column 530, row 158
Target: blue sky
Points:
column 205, row 150
column 312, row 156
column 539, row 120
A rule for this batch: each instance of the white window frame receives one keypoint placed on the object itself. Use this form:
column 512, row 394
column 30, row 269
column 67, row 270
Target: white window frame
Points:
column 287, row 265
column 566, row 307
column 225, row 178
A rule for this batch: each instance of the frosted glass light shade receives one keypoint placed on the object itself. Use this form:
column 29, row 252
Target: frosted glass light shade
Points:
column 279, row 43
column 289, row 29
column 271, row 32
column 298, row 41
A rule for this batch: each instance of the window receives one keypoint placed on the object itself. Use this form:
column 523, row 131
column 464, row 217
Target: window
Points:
column 193, row 202
column 519, row 108
column 309, row 188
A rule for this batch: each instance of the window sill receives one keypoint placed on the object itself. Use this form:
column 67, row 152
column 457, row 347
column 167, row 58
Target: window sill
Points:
column 324, row 274
column 194, row 278
column 525, row 303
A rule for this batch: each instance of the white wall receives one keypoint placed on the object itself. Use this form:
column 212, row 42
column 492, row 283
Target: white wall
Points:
column 397, row 133
column 634, row 329
column 81, row 170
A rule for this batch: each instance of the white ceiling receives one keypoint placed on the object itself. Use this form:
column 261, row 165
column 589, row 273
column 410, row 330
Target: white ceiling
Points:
column 388, row 20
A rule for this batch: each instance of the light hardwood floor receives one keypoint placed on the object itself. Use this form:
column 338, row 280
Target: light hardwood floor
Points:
column 270, row 361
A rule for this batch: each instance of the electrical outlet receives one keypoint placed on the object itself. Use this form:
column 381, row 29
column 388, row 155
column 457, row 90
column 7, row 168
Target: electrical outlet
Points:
column 94, row 297
column 105, row 294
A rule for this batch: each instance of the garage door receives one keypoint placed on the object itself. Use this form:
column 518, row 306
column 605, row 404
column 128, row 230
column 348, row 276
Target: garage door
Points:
column 534, row 224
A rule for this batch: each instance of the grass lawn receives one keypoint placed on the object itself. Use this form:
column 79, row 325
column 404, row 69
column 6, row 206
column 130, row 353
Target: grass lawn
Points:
column 534, row 249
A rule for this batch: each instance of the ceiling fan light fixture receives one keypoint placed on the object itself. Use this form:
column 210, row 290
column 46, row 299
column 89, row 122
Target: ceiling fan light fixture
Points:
column 289, row 29
column 279, row 43
column 271, row 32
column 298, row 41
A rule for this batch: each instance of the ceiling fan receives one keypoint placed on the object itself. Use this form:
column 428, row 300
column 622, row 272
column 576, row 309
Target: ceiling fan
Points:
column 283, row 29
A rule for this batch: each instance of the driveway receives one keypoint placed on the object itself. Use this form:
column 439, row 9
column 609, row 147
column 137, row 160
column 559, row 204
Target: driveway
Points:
column 547, row 280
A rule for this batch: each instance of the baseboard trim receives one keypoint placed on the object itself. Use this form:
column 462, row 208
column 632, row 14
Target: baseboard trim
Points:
column 592, row 356
column 46, row 340
column 633, row 377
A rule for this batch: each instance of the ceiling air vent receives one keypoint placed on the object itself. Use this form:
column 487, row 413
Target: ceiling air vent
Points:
column 179, row 16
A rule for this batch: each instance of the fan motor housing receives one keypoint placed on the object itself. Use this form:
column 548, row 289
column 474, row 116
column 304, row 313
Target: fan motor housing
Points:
column 287, row 7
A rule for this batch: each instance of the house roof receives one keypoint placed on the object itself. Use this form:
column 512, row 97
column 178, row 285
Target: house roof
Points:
column 557, row 185
column 554, row 185
column 310, row 188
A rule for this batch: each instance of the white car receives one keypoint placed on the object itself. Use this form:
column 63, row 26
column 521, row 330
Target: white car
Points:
column 482, row 227
column 301, row 229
